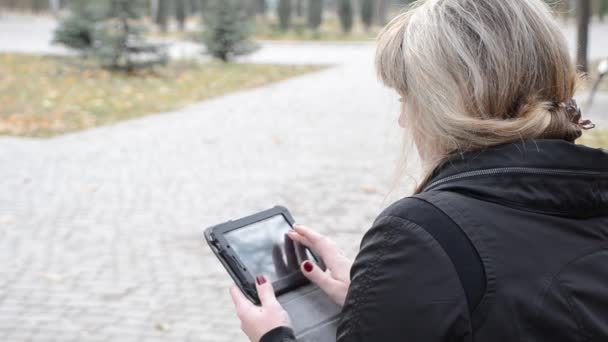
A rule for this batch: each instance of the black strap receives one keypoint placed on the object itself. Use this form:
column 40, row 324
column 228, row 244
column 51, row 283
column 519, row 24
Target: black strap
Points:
column 456, row 244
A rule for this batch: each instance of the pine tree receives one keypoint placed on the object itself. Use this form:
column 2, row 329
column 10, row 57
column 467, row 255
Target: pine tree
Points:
column 78, row 30
column 226, row 29
column 180, row 13
column 602, row 8
column 315, row 14
column 107, row 30
column 162, row 15
column 195, row 6
column 40, row 5
column 284, row 14
column 345, row 12
column 261, row 7
column 381, row 12
column 367, row 13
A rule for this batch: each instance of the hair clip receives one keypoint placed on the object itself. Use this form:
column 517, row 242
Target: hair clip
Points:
column 574, row 113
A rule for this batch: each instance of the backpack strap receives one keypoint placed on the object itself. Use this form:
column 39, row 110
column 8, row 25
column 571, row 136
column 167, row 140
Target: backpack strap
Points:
column 455, row 243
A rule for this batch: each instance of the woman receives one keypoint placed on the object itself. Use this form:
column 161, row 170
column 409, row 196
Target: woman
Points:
column 507, row 237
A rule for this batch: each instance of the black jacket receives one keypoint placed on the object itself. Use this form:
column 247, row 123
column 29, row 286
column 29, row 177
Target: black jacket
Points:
column 536, row 214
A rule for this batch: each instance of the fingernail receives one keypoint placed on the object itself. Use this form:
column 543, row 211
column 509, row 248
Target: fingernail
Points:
column 261, row 280
column 307, row 266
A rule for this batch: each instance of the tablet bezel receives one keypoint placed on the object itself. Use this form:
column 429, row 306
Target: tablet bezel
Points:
column 233, row 264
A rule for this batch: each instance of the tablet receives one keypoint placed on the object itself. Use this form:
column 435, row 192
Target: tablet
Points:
column 258, row 245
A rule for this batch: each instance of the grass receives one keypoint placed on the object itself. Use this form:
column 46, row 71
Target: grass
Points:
column 42, row 96
column 592, row 77
column 595, row 138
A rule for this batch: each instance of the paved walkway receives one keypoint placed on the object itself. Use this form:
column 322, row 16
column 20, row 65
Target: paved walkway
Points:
column 100, row 231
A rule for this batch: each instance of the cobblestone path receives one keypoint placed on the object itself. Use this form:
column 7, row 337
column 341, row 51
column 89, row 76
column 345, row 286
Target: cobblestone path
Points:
column 100, row 231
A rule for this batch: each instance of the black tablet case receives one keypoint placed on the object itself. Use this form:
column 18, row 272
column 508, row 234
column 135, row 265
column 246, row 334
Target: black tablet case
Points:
column 314, row 316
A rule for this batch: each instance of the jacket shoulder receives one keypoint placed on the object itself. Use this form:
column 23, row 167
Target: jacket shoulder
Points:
column 404, row 208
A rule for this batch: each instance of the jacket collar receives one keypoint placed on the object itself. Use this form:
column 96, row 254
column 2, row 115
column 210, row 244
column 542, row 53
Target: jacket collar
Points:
column 549, row 176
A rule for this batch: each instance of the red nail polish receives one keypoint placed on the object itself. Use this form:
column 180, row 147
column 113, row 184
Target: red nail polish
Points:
column 307, row 266
column 261, row 280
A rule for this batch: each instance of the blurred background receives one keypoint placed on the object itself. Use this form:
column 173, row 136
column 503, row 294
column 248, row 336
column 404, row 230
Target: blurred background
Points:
column 128, row 126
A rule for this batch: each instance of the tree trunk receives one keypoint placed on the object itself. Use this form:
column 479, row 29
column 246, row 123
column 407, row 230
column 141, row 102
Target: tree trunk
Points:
column 153, row 9
column 162, row 15
column 284, row 14
column 55, row 6
column 299, row 8
column 583, row 12
column 40, row 5
column 315, row 14
column 195, row 6
column 180, row 13
column 602, row 7
column 261, row 7
column 381, row 12
column 367, row 13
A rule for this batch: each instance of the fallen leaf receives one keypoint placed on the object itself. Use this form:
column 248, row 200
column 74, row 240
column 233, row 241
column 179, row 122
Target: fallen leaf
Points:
column 163, row 327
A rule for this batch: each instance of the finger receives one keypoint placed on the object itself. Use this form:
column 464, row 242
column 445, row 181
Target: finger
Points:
column 300, row 250
column 319, row 277
column 241, row 303
column 279, row 263
column 319, row 243
column 290, row 254
column 307, row 232
column 265, row 291
column 333, row 257
column 295, row 236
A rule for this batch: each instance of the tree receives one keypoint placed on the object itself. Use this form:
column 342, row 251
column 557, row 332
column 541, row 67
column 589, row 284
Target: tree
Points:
column 315, row 14
column 109, row 31
column 195, row 6
column 78, row 30
column 345, row 12
column 367, row 13
column 299, row 8
column 226, row 29
column 55, row 6
column 602, row 8
column 261, row 7
column 162, row 15
column 40, row 5
column 583, row 12
column 180, row 13
column 284, row 14
column 381, row 12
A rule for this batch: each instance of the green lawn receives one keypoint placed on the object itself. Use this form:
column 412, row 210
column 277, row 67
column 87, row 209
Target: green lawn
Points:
column 595, row 138
column 44, row 96
column 592, row 77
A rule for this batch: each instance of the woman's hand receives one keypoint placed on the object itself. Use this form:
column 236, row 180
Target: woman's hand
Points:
column 258, row 320
column 336, row 280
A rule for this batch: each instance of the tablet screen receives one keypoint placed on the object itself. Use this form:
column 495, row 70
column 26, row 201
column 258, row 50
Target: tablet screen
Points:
column 264, row 248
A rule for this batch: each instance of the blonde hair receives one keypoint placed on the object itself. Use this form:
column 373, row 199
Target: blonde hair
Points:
column 478, row 73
